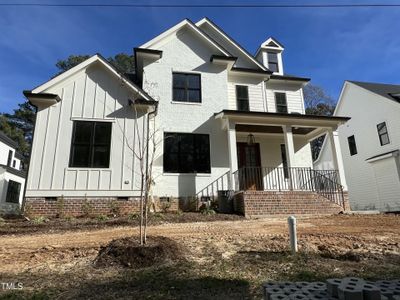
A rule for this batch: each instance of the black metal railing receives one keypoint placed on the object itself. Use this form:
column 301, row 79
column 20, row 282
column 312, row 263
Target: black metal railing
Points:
column 210, row 192
column 323, row 182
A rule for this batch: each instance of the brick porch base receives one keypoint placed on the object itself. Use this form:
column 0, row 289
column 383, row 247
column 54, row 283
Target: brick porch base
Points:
column 78, row 206
column 269, row 203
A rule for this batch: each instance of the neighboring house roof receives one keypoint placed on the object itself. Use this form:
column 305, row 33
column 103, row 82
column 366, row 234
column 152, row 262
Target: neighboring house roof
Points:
column 93, row 59
column 19, row 155
column 8, row 141
column 386, row 154
column 13, row 171
column 232, row 41
column 180, row 25
column 388, row 91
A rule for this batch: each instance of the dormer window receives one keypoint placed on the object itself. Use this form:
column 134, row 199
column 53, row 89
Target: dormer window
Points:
column 273, row 61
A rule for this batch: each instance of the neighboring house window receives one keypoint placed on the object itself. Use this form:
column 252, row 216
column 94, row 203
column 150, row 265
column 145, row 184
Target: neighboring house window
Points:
column 186, row 87
column 186, row 153
column 281, row 103
column 273, row 61
column 13, row 191
column 383, row 133
column 14, row 162
column 10, row 155
column 352, row 145
column 242, row 97
column 284, row 161
column 90, row 147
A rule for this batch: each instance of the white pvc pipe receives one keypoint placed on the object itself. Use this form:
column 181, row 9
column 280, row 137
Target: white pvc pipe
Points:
column 292, row 234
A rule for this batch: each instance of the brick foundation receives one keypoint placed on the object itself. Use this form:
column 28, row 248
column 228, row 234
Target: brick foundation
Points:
column 78, row 206
column 269, row 203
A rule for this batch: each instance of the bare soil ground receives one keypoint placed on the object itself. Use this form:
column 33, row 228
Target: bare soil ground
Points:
column 221, row 260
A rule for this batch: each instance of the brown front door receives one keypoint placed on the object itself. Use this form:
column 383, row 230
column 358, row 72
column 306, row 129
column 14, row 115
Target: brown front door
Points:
column 249, row 163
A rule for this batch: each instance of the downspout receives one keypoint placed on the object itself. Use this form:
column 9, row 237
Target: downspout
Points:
column 30, row 156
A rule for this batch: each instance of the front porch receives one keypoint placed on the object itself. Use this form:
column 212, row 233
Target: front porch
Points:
column 270, row 159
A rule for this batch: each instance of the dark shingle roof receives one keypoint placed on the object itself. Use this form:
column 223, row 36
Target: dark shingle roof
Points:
column 6, row 140
column 384, row 90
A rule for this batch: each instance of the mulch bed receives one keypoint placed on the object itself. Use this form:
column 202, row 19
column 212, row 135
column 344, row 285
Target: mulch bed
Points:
column 127, row 252
column 19, row 226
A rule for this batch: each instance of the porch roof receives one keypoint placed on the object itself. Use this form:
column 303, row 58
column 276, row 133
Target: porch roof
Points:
column 309, row 126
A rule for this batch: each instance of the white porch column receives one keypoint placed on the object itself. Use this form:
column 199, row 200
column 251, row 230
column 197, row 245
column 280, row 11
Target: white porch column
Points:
column 289, row 145
column 232, row 151
column 337, row 156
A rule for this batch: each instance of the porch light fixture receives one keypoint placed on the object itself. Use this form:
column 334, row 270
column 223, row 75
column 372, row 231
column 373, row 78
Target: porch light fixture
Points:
column 250, row 140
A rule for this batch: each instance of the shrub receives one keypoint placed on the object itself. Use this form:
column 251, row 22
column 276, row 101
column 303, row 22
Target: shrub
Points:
column 115, row 209
column 206, row 210
column 165, row 205
column 40, row 220
column 87, row 208
column 133, row 216
column 60, row 207
column 101, row 218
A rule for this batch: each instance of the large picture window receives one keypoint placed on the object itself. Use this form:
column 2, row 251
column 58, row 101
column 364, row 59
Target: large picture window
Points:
column 186, row 87
column 383, row 133
column 13, row 191
column 281, row 103
column 186, row 153
column 242, row 97
column 90, row 146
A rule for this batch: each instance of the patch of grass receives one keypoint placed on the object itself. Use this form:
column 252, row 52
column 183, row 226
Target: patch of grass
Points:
column 101, row 218
column 39, row 220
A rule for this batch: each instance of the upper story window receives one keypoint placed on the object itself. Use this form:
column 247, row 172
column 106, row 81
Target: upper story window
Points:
column 281, row 103
column 273, row 64
column 242, row 97
column 383, row 133
column 14, row 163
column 9, row 159
column 186, row 87
column 90, row 146
column 352, row 145
column 186, row 153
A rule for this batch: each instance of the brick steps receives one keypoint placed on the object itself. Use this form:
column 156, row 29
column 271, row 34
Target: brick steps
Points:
column 271, row 203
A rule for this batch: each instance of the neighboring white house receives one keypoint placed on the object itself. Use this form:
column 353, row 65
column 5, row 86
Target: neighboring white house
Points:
column 226, row 120
column 12, row 178
column 370, row 144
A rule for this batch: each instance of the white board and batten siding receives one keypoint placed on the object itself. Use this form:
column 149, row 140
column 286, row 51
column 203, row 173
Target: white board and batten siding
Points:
column 91, row 94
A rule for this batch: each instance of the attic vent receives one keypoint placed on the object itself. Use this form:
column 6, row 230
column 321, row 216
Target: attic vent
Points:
column 272, row 44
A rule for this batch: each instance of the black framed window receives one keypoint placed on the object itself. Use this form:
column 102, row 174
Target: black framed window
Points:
column 9, row 159
column 242, row 97
column 90, row 146
column 281, row 103
column 273, row 64
column 186, row 87
column 13, row 190
column 186, row 153
column 14, row 163
column 383, row 134
column 352, row 145
column 284, row 161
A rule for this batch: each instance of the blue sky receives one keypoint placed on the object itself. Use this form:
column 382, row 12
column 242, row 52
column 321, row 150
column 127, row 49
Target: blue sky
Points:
column 327, row 45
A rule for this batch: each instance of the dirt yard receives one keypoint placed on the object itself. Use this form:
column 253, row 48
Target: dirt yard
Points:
column 226, row 259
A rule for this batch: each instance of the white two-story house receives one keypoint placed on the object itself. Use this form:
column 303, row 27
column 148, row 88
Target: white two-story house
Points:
column 370, row 144
column 222, row 120
column 12, row 177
